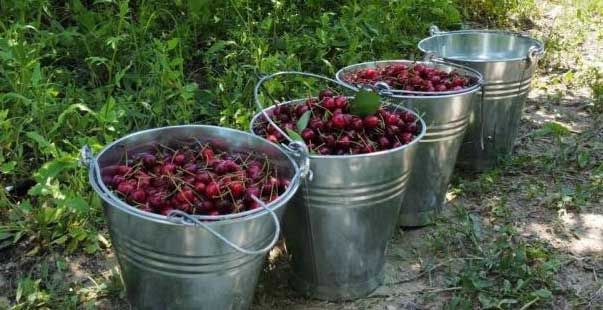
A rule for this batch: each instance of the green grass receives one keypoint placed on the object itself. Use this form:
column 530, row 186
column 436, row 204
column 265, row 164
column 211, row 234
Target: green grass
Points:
column 76, row 73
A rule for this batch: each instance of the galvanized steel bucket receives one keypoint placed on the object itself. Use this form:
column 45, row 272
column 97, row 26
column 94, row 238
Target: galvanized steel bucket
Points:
column 343, row 216
column 507, row 61
column 447, row 115
column 183, row 261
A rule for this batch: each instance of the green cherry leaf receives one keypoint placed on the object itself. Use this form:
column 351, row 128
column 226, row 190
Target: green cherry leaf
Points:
column 365, row 103
column 294, row 135
column 302, row 123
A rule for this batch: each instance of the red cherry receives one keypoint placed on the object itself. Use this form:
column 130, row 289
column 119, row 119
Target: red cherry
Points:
column 324, row 150
column 329, row 104
column 341, row 102
column 252, row 191
column 371, row 121
column 308, row 134
column 168, row 168
column 139, row 196
column 149, row 159
column 212, row 190
column 344, row 141
column 339, row 121
column 118, row 179
column 272, row 138
column 185, row 196
column 406, row 137
column 236, row 189
column 200, row 187
column 370, row 74
column 392, row 119
column 123, row 170
column 301, row 109
column 204, row 177
column 125, row 188
column 412, row 128
column 208, row 154
column 325, row 94
column 329, row 140
column 408, row 117
column 384, row 142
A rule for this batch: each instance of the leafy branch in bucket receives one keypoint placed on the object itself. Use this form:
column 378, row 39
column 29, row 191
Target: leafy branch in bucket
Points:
column 294, row 135
column 366, row 102
column 301, row 124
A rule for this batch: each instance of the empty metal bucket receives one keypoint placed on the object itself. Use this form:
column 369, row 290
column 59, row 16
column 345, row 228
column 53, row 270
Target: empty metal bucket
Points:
column 342, row 219
column 507, row 61
column 446, row 115
column 191, row 262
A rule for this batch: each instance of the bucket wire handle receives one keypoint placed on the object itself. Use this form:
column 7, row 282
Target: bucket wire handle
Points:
column 299, row 148
column 180, row 217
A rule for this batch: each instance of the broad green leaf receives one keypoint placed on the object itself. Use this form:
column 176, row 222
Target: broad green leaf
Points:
column 542, row 293
column 294, row 135
column 45, row 146
column 91, row 247
column 6, row 168
column 302, row 123
column 72, row 108
column 36, row 75
column 172, row 43
column 486, row 301
column 77, row 203
column 480, row 283
column 365, row 103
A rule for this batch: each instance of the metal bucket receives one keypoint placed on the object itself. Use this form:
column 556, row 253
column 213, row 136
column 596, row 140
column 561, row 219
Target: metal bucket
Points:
column 447, row 116
column 182, row 261
column 343, row 217
column 507, row 61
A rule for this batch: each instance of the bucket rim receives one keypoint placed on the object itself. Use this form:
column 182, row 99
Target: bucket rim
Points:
column 536, row 43
column 417, row 139
column 399, row 94
column 109, row 197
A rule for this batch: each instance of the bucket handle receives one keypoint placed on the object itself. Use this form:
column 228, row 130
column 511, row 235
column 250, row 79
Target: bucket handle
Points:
column 177, row 216
column 297, row 148
column 180, row 217
column 434, row 30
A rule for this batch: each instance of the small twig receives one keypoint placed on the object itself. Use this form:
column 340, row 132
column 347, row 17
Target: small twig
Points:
column 427, row 290
column 440, row 290
column 420, row 274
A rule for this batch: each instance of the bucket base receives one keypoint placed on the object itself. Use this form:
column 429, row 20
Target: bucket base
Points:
column 418, row 219
column 335, row 293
